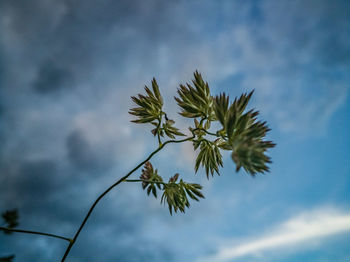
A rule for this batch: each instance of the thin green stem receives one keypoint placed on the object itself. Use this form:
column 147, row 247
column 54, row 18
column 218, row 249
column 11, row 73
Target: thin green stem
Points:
column 202, row 120
column 210, row 133
column 165, row 116
column 158, row 127
column 34, row 233
column 142, row 180
column 114, row 185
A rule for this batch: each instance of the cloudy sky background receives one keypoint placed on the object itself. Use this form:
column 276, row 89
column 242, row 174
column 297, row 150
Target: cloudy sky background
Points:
column 67, row 70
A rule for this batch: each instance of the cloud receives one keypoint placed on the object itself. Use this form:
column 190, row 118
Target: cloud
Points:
column 33, row 179
column 68, row 68
column 83, row 155
column 51, row 77
column 312, row 225
column 298, row 64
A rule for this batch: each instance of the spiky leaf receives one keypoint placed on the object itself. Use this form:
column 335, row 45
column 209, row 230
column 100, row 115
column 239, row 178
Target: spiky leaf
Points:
column 195, row 101
column 151, row 179
column 248, row 144
column 209, row 157
column 149, row 106
column 176, row 194
column 221, row 107
column 251, row 156
column 228, row 115
column 243, row 134
column 170, row 130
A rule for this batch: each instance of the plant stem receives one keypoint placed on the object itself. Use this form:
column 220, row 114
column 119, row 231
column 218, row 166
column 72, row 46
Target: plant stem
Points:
column 114, row 185
column 35, row 233
column 142, row 180
column 158, row 135
column 209, row 133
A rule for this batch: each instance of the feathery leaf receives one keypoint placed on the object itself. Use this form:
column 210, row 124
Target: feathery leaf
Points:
column 150, row 106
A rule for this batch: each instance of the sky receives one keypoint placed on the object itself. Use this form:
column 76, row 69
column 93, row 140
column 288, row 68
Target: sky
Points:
column 67, row 71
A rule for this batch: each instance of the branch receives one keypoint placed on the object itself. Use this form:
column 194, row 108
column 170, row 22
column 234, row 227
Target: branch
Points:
column 34, row 233
column 158, row 135
column 117, row 183
column 142, row 180
column 210, row 133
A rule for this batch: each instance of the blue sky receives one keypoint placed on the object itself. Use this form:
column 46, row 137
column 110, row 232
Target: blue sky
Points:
column 67, row 71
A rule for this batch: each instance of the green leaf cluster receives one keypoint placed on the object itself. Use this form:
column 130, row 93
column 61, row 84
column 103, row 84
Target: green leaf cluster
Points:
column 167, row 129
column 149, row 110
column 243, row 133
column 228, row 114
column 248, row 146
column 149, row 106
column 195, row 101
column 151, row 179
column 174, row 194
column 209, row 156
column 170, row 130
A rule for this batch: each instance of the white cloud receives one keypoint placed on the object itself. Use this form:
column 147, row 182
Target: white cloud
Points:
column 314, row 225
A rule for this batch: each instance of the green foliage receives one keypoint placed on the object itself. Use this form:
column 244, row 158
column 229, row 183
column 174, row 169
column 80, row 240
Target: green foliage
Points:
column 241, row 133
column 229, row 115
column 149, row 110
column 209, row 157
column 150, row 179
column 10, row 218
column 170, row 130
column 244, row 134
column 149, row 106
column 195, row 101
column 221, row 103
column 176, row 194
column 167, row 129
column 248, row 146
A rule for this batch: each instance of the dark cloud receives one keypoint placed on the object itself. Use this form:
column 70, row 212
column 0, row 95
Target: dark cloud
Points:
column 51, row 77
column 84, row 156
column 2, row 69
column 29, row 183
column 2, row 110
column 37, row 176
column 91, row 53
column 77, row 38
column 309, row 31
column 47, row 202
column 141, row 249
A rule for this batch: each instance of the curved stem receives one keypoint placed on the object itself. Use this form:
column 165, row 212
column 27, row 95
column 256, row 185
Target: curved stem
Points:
column 114, row 185
column 210, row 133
column 35, row 233
column 148, row 181
column 158, row 135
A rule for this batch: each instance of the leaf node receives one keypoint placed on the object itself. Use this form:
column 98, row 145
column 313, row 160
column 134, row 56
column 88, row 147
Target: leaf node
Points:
column 170, row 130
